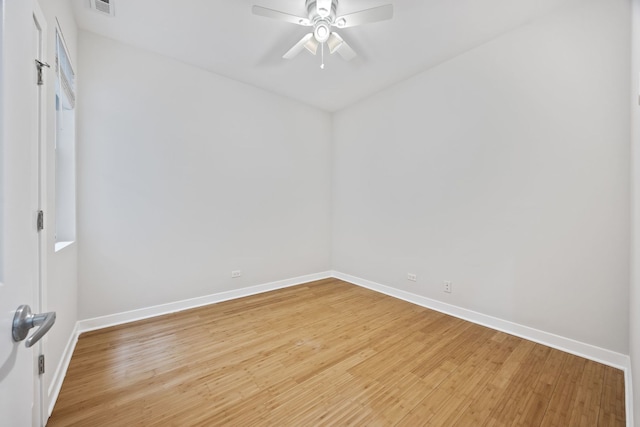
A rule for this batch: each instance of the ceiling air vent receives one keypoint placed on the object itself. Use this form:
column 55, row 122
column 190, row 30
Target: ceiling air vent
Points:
column 102, row 6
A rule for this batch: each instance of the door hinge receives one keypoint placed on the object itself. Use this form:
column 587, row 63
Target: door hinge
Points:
column 39, row 66
column 40, row 222
column 41, row 364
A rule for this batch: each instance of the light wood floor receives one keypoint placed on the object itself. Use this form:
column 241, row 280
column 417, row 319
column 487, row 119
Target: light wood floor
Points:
column 328, row 353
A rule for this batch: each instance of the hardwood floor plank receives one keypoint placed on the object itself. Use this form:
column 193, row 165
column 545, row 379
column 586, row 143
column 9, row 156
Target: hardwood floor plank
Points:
column 563, row 398
column 612, row 404
column 327, row 353
column 538, row 401
column 511, row 405
column 587, row 408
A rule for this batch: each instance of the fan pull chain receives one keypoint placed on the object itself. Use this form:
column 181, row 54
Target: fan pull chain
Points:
column 322, row 55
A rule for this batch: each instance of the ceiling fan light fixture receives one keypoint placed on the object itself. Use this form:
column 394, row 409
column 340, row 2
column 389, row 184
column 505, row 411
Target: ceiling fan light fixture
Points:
column 312, row 45
column 323, row 16
column 334, row 42
column 322, row 32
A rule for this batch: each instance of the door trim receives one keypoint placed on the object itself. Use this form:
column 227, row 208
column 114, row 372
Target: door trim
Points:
column 40, row 293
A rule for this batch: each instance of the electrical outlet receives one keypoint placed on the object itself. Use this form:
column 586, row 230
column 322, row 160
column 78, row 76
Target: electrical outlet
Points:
column 412, row 277
column 236, row 273
column 446, row 287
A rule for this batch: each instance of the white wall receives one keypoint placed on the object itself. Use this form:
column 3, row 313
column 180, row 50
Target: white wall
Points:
column 634, row 299
column 184, row 176
column 505, row 171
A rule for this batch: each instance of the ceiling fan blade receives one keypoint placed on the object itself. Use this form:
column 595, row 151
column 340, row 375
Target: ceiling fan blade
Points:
column 281, row 16
column 380, row 13
column 295, row 50
column 337, row 44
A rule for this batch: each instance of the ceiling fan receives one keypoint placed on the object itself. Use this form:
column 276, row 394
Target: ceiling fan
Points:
column 322, row 16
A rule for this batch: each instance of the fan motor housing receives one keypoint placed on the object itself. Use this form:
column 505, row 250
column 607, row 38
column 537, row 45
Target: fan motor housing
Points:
column 315, row 15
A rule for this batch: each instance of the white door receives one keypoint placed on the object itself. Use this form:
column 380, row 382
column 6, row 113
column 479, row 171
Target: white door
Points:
column 20, row 393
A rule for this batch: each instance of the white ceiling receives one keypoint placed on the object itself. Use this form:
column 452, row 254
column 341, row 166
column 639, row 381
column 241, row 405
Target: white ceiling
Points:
column 223, row 36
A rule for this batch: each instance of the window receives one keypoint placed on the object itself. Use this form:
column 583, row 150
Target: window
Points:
column 65, row 147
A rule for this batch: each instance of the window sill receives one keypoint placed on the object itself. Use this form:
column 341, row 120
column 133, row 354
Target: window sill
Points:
column 61, row 245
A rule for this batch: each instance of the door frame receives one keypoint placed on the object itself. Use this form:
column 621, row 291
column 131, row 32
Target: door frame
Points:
column 40, row 294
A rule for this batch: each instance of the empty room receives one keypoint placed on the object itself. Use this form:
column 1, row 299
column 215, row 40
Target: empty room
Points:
column 320, row 212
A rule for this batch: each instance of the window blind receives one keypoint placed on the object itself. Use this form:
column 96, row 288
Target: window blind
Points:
column 65, row 72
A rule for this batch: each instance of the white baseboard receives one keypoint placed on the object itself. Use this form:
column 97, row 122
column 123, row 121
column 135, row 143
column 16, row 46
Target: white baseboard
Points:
column 61, row 370
column 628, row 394
column 597, row 354
column 172, row 307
